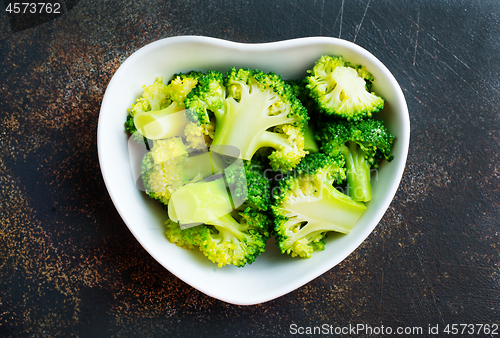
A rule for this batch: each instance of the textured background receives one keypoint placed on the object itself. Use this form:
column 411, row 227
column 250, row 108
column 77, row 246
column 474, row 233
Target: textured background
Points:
column 69, row 265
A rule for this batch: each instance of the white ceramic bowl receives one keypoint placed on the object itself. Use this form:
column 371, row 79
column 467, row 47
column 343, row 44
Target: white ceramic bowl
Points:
column 272, row 274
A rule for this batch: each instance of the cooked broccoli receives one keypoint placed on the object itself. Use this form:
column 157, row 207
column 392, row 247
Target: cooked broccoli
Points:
column 363, row 73
column 231, row 233
column 340, row 89
column 252, row 110
column 308, row 206
column 169, row 165
column 189, row 238
column 162, row 170
column 202, row 165
column 159, row 112
column 197, row 137
column 181, row 85
column 211, row 138
column 154, row 97
column 363, row 144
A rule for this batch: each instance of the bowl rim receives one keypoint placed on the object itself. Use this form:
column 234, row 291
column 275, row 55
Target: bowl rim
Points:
column 256, row 47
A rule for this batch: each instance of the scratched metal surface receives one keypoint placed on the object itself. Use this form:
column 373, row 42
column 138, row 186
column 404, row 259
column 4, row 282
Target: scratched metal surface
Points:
column 68, row 264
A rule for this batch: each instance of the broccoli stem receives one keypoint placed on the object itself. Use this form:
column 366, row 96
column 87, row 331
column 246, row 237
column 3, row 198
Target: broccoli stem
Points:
column 228, row 227
column 160, row 124
column 358, row 173
column 203, row 165
column 331, row 211
column 244, row 124
column 200, row 202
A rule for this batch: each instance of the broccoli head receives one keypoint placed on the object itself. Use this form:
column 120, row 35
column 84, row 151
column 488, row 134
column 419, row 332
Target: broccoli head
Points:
column 162, row 169
column 308, row 206
column 181, row 85
column 232, row 210
column 363, row 144
column 189, row 238
column 155, row 97
column 159, row 112
column 252, row 110
column 340, row 89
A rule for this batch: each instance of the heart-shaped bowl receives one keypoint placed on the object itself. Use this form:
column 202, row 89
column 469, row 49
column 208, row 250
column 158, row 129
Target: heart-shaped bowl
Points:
column 272, row 274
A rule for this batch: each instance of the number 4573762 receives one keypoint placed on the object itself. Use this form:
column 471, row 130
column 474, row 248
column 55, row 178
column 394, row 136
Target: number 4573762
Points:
column 33, row 7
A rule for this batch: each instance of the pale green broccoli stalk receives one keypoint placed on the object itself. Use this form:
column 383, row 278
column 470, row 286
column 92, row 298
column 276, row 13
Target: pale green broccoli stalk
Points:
column 202, row 165
column 236, row 237
column 363, row 144
column 308, row 206
column 363, row 73
column 154, row 97
column 161, row 124
column 341, row 90
column 252, row 110
column 200, row 202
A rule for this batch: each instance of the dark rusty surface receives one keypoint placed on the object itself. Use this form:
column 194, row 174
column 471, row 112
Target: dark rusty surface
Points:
column 70, row 267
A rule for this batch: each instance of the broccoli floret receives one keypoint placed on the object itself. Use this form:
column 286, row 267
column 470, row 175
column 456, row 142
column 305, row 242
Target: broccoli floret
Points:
column 154, row 97
column 236, row 239
column 252, row 110
column 341, row 90
column 363, row 144
column 232, row 209
column 181, row 85
column 189, row 238
column 169, row 165
column 308, row 206
column 162, row 169
column 159, row 112
column 363, row 73
column 206, row 98
column 197, row 137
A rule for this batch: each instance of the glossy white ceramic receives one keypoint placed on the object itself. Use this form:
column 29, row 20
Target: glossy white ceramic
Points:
column 272, row 274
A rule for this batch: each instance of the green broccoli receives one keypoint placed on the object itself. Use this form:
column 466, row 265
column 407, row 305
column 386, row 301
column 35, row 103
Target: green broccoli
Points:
column 159, row 112
column 233, row 211
column 170, row 165
column 162, row 169
column 308, row 206
column 363, row 73
column 211, row 137
column 154, row 97
column 252, row 110
column 189, row 238
column 363, row 143
column 202, row 165
column 341, row 89
column 181, row 85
